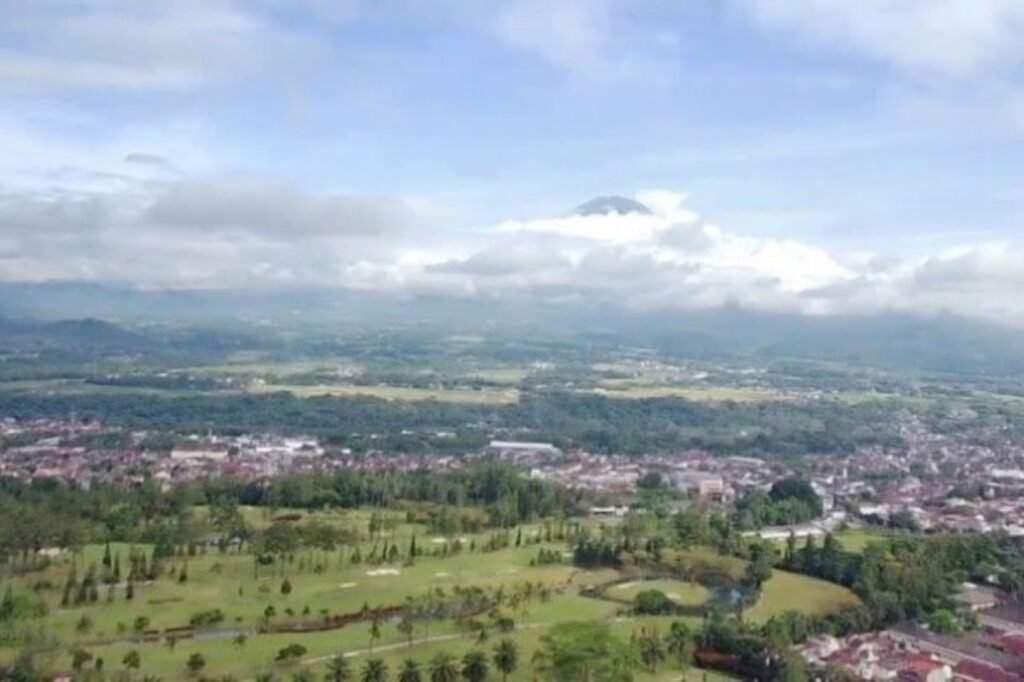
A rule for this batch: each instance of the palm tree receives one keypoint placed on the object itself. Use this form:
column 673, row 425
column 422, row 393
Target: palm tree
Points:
column 375, row 670
column 407, row 628
column 374, row 631
column 410, row 672
column 443, row 668
column 678, row 633
column 338, row 670
column 506, row 657
column 132, row 660
column 540, row 661
column 303, row 676
column 475, row 667
column 651, row 651
column 679, row 643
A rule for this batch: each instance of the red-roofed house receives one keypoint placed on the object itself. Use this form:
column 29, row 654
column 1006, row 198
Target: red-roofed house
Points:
column 972, row 671
column 920, row 668
column 1013, row 644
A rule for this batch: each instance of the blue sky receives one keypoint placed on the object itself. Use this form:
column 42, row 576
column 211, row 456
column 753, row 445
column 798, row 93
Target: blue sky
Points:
column 383, row 144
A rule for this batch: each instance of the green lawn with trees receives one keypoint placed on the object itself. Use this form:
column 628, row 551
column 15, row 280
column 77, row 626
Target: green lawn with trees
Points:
column 402, row 574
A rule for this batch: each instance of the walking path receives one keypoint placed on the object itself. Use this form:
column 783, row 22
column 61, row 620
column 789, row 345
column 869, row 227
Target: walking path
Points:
column 416, row 642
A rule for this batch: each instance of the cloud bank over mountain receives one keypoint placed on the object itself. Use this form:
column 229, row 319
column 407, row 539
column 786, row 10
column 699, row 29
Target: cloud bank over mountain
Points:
column 655, row 252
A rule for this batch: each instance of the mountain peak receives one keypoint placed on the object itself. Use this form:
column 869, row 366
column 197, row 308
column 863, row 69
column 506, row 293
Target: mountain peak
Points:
column 612, row 204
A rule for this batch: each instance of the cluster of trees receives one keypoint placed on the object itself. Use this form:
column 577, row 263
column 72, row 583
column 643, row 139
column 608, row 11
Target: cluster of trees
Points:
column 598, row 553
column 790, row 500
column 653, row 603
column 55, row 514
column 17, row 606
column 902, row 577
column 547, row 557
column 508, row 496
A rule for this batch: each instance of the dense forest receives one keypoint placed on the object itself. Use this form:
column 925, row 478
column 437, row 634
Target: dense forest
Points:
column 593, row 422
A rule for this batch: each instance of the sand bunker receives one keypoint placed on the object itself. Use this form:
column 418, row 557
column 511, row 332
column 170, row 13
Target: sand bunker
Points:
column 383, row 571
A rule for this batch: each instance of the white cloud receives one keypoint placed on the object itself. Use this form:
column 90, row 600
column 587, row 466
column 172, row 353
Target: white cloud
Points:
column 570, row 33
column 953, row 38
column 272, row 208
column 216, row 233
column 642, row 262
column 197, row 233
column 154, row 45
column 668, row 259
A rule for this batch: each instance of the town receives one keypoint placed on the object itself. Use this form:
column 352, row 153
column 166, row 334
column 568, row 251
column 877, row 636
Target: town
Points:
column 953, row 482
column 933, row 482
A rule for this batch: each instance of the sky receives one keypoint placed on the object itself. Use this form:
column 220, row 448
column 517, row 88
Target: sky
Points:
column 818, row 156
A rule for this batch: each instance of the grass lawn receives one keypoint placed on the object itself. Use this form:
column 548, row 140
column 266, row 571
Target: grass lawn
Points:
column 682, row 593
column 705, row 558
column 80, row 387
column 855, row 540
column 228, row 582
column 793, row 592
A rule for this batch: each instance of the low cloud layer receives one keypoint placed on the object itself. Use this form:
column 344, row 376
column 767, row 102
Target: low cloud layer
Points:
column 196, row 233
column 249, row 233
column 674, row 260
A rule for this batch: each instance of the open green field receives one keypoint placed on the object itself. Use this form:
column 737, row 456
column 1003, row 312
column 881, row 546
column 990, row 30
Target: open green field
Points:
column 228, row 582
column 694, row 393
column 856, row 539
column 682, row 593
column 792, row 592
column 852, row 540
column 255, row 366
column 870, row 397
column 396, row 393
column 327, row 583
column 706, row 559
column 78, row 387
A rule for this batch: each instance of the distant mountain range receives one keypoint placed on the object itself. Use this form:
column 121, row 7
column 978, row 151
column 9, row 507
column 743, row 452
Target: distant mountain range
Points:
column 86, row 334
column 113, row 318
